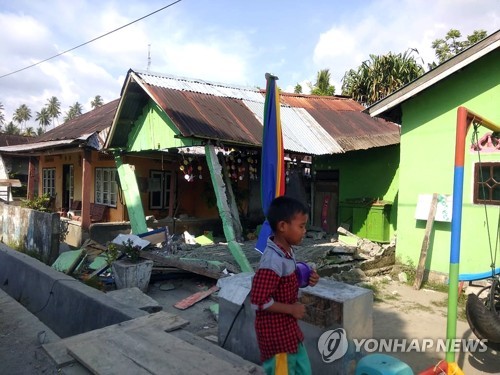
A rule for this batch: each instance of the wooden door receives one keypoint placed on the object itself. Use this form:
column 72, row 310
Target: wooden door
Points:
column 326, row 202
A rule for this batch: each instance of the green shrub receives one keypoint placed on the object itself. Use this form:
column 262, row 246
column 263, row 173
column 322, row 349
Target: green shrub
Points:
column 40, row 203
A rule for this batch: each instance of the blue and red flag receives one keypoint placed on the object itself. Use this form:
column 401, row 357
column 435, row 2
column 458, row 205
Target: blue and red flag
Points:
column 272, row 164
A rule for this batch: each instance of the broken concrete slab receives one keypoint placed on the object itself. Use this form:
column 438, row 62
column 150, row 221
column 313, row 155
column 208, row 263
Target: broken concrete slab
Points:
column 134, row 297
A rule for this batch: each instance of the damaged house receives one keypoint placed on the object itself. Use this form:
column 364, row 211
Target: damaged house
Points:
column 337, row 157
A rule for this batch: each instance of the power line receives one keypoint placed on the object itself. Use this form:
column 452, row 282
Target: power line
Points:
column 90, row 41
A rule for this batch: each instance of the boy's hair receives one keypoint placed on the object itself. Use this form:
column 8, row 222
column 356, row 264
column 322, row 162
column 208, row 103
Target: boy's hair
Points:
column 284, row 209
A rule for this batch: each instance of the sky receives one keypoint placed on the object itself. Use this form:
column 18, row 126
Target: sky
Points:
column 227, row 41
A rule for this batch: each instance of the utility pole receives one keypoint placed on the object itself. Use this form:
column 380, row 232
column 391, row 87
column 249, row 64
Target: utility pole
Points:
column 149, row 57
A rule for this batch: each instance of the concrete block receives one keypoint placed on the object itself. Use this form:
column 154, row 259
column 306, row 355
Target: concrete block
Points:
column 134, row 297
column 128, row 274
column 329, row 305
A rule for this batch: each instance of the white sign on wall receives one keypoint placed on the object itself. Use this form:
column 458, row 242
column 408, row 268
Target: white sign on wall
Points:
column 443, row 210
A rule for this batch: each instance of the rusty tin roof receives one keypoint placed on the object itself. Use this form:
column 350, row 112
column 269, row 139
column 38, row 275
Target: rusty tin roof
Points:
column 233, row 114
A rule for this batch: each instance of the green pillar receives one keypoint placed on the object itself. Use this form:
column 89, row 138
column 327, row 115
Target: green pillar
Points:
column 132, row 196
column 224, row 211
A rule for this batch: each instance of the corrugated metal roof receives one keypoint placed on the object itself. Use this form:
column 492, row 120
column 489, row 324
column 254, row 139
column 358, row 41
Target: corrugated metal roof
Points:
column 209, row 116
column 311, row 124
column 200, row 86
column 301, row 133
column 13, row 139
column 88, row 123
column 333, row 103
column 35, row 146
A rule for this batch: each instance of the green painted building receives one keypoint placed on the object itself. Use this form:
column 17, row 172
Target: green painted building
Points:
column 427, row 112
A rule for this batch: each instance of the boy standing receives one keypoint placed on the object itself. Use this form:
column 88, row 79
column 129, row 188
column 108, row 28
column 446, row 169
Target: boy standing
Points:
column 274, row 293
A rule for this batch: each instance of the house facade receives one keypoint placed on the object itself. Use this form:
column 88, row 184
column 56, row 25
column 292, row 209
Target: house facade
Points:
column 165, row 121
column 66, row 164
column 427, row 112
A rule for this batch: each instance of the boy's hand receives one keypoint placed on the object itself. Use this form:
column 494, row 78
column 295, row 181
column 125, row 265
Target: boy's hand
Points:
column 298, row 310
column 314, row 278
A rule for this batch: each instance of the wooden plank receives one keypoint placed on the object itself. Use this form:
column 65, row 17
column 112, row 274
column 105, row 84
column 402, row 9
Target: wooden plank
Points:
column 217, row 351
column 160, row 321
column 67, row 261
column 425, row 243
column 200, row 268
column 10, row 182
column 194, row 298
column 147, row 351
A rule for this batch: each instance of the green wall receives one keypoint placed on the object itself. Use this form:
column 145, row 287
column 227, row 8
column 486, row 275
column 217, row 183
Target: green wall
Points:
column 154, row 130
column 371, row 173
column 427, row 165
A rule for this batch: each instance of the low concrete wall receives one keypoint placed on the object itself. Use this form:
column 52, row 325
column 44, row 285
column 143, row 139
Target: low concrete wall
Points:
column 33, row 230
column 63, row 303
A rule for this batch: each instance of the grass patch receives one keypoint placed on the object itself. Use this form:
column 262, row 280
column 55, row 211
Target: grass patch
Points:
column 377, row 294
column 393, row 297
column 408, row 268
column 437, row 287
column 442, row 303
column 19, row 246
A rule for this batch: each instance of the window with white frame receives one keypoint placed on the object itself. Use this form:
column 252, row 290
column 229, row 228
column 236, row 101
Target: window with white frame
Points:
column 487, row 183
column 105, row 186
column 49, row 181
column 159, row 189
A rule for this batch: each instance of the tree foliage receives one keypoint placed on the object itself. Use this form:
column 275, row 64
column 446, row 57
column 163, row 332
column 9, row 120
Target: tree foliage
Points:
column 297, row 89
column 22, row 114
column 29, row 132
column 53, row 108
column 322, row 86
column 451, row 44
column 97, row 102
column 11, row 128
column 43, row 117
column 74, row 111
column 380, row 76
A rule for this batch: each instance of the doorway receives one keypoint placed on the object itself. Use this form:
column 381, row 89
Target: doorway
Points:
column 68, row 186
column 326, row 203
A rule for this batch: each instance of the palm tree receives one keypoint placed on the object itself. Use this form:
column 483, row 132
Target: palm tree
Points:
column 322, row 85
column 2, row 115
column 380, row 76
column 297, row 89
column 43, row 117
column 29, row 132
column 40, row 131
column 22, row 115
column 74, row 111
column 97, row 102
column 54, row 108
column 12, row 129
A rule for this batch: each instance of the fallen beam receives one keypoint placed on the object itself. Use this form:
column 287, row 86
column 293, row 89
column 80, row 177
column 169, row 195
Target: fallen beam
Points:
column 200, row 267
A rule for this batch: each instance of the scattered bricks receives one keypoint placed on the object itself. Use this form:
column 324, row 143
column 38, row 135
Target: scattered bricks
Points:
column 321, row 312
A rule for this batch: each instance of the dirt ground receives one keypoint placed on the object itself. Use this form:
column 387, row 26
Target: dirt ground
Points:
column 399, row 312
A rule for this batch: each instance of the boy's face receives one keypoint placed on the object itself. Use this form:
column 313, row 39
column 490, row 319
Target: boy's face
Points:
column 295, row 230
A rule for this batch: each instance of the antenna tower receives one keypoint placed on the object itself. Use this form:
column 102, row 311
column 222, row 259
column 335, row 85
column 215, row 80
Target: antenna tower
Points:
column 149, row 56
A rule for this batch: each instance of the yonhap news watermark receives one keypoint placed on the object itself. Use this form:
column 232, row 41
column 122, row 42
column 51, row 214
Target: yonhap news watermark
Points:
column 333, row 344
